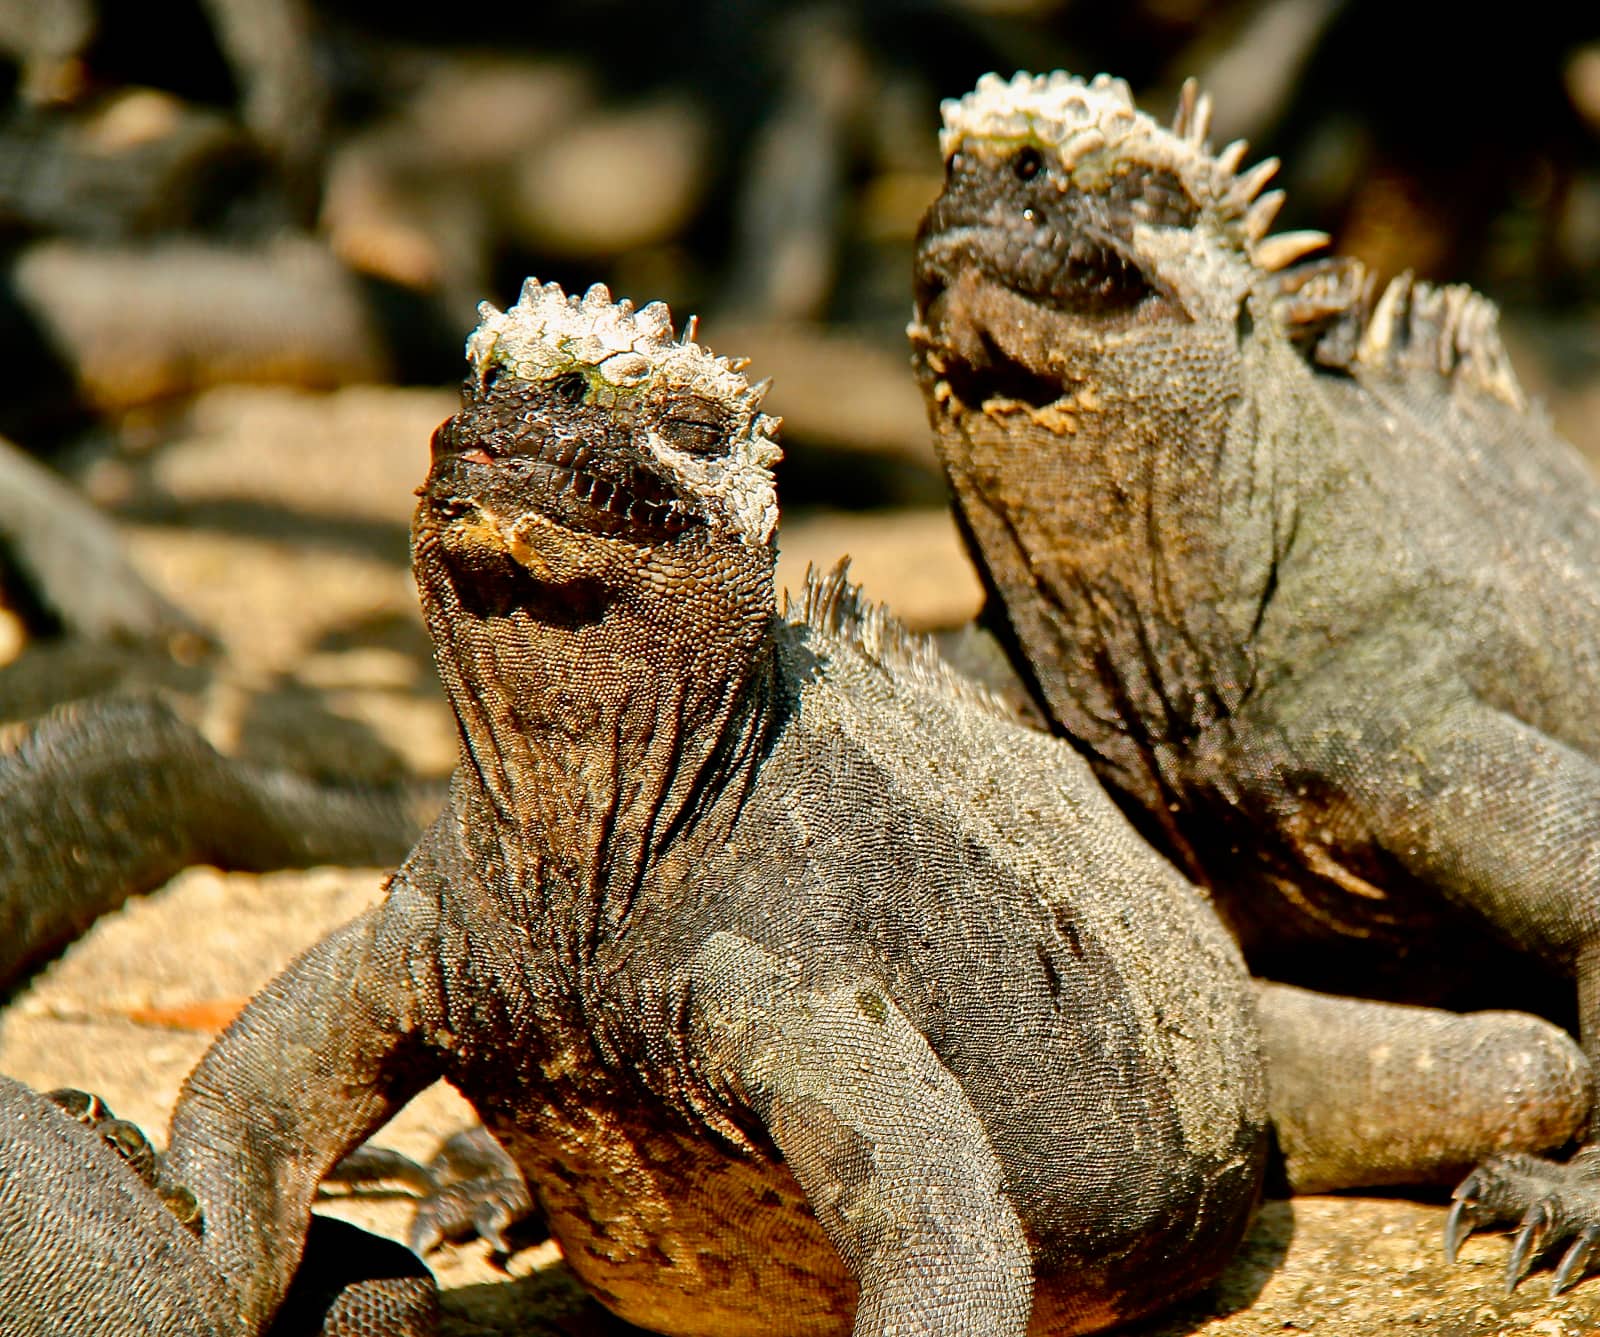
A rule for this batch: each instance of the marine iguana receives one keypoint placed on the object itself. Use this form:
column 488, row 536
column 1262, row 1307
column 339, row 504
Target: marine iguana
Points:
column 798, row 979
column 1293, row 562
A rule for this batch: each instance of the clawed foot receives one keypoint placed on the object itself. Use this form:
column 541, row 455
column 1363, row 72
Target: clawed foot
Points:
column 479, row 1191
column 1551, row 1204
column 130, row 1143
column 471, row 1187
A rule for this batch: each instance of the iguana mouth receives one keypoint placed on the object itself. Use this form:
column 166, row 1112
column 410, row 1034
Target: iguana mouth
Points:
column 985, row 342
column 1082, row 273
column 590, row 489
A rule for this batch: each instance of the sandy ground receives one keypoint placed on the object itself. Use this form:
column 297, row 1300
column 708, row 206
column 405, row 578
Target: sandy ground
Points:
column 280, row 519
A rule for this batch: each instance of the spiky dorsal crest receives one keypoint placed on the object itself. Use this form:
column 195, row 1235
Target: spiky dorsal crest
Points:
column 1333, row 309
column 1330, row 307
column 1335, row 312
column 835, row 608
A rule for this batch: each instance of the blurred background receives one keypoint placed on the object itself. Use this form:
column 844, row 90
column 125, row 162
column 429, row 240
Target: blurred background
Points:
column 198, row 196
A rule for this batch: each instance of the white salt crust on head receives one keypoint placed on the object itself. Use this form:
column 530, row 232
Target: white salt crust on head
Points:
column 1094, row 132
column 627, row 353
column 1093, row 129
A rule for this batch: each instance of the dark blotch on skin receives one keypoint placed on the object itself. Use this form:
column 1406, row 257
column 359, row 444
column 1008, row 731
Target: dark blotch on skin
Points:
column 1052, row 977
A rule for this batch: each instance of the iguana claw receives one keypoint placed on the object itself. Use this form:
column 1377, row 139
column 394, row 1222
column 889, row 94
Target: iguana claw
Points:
column 1551, row 1204
column 1461, row 1222
column 487, row 1206
column 478, row 1190
column 1535, row 1226
column 1575, row 1260
column 471, row 1187
column 129, row 1142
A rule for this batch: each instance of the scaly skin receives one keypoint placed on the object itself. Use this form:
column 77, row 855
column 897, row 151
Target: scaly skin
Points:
column 96, row 1238
column 1301, row 573
column 111, row 796
column 735, row 930
column 801, row 983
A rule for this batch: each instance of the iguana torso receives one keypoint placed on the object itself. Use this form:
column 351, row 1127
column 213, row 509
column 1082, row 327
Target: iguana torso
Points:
column 902, row 880
column 740, row 934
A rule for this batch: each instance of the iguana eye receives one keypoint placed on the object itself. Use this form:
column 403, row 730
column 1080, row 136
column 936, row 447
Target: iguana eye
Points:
column 694, row 435
column 694, row 425
column 1028, row 163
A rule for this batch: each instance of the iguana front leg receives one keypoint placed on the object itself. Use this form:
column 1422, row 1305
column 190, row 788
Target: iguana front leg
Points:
column 1500, row 819
column 319, row 1060
column 893, row 1158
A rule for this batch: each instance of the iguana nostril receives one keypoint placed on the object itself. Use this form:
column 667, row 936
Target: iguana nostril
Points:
column 570, row 388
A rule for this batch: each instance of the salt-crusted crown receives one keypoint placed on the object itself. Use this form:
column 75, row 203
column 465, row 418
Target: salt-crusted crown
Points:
column 626, row 354
column 547, row 333
column 1095, row 132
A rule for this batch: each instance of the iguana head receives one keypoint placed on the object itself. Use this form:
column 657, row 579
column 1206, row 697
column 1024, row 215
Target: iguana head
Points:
column 594, row 551
column 1066, row 208
column 598, row 453
column 1102, row 346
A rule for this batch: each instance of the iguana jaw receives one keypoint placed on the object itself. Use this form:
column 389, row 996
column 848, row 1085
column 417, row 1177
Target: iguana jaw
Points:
column 561, row 497
column 992, row 348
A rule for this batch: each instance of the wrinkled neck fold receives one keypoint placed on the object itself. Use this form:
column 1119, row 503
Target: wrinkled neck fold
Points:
column 596, row 728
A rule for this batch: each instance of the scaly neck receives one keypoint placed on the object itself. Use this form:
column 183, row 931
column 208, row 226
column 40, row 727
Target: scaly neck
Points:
column 1130, row 528
column 595, row 730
